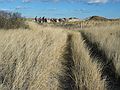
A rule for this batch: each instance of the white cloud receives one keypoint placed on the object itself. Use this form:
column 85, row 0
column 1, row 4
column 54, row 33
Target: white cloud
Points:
column 90, row 1
column 71, row 1
column 97, row 1
column 6, row 0
column 81, row 11
column 86, row 1
column 21, row 7
column 26, row 1
column 5, row 9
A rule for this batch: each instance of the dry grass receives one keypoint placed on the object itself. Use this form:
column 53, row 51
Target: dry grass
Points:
column 86, row 24
column 31, row 60
column 105, row 44
column 87, row 72
column 51, row 58
column 108, row 39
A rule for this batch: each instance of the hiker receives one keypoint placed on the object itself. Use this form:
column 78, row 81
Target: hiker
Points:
column 36, row 18
column 40, row 20
column 54, row 20
column 43, row 19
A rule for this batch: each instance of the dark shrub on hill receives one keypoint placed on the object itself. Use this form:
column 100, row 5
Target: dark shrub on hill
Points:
column 10, row 20
column 98, row 18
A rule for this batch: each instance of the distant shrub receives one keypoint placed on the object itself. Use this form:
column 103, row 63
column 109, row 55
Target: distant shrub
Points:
column 10, row 20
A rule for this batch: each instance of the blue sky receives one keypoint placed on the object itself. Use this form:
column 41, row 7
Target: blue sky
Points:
column 63, row 8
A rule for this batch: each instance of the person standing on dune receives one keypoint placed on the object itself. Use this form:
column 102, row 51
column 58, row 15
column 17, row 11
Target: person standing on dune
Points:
column 36, row 18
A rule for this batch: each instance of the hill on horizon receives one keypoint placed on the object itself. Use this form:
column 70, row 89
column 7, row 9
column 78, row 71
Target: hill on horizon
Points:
column 98, row 18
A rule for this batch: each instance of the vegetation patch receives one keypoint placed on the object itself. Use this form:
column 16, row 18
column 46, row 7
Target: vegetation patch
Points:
column 10, row 20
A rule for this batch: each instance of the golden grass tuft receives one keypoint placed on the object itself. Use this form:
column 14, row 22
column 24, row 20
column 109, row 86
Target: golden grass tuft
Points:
column 31, row 60
column 87, row 71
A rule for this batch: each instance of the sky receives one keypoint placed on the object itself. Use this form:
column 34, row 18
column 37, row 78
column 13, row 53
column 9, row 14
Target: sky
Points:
column 63, row 8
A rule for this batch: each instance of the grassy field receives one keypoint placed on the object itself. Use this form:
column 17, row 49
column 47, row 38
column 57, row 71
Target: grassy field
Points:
column 86, row 24
column 54, row 58
column 104, row 43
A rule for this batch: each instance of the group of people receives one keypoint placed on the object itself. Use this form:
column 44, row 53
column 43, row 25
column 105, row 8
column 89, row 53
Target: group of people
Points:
column 45, row 20
column 41, row 20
